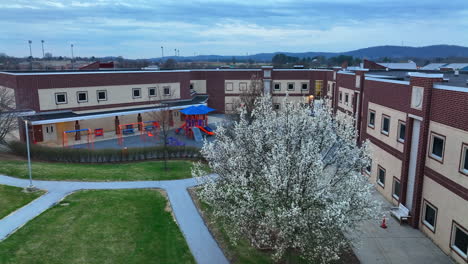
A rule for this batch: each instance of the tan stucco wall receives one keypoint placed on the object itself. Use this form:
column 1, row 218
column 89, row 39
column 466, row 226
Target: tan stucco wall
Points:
column 342, row 104
column 454, row 138
column 450, row 207
column 284, row 86
column 199, row 86
column 392, row 167
column 117, row 94
column 235, row 86
column 395, row 115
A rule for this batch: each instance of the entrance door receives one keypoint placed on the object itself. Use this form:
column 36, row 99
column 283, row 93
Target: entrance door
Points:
column 37, row 134
column 412, row 164
column 50, row 132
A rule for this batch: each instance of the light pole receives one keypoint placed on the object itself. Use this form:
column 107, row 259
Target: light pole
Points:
column 43, row 54
column 175, row 52
column 30, row 53
column 71, row 45
column 162, row 53
column 31, row 186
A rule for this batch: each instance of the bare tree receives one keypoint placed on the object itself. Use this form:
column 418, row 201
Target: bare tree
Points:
column 164, row 117
column 8, row 116
column 248, row 97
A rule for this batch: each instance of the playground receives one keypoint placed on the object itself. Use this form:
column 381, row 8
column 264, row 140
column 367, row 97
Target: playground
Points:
column 198, row 126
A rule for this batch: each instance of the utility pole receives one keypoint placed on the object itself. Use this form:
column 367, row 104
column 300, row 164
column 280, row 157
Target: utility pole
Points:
column 43, row 54
column 162, row 52
column 30, row 54
column 175, row 52
column 31, row 186
column 71, row 45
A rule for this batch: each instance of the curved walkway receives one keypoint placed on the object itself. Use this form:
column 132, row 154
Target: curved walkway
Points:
column 199, row 239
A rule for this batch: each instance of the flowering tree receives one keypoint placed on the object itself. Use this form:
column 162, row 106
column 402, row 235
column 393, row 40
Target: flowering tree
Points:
column 289, row 180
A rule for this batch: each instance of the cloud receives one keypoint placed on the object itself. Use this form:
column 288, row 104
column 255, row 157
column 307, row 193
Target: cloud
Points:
column 132, row 28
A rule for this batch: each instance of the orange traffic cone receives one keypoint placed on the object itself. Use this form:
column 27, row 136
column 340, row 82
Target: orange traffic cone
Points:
column 384, row 223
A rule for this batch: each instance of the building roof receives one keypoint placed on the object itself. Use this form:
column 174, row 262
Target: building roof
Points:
column 433, row 66
column 68, row 116
column 399, row 66
column 456, row 66
column 450, row 79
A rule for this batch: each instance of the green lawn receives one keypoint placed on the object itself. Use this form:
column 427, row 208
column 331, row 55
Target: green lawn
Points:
column 147, row 170
column 112, row 226
column 12, row 198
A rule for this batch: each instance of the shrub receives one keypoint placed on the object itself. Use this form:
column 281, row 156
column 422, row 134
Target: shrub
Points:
column 73, row 155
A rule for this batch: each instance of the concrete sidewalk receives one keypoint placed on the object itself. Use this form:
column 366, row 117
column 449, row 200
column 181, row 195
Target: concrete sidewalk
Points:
column 396, row 244
column 203, row 246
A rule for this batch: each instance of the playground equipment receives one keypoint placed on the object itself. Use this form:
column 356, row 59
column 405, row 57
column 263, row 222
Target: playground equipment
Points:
column 196, row 117
column 128, row 129
column 89, row 137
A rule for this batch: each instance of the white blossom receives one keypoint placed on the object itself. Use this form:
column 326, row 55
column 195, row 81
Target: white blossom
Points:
column 289, row 179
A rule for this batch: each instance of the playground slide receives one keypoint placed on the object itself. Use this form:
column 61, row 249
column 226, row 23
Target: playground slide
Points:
column 197, row 134
column 207, row 130
column 180, row 128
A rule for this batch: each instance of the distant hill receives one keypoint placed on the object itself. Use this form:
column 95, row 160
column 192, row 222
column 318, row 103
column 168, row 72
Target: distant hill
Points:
column 427, row 52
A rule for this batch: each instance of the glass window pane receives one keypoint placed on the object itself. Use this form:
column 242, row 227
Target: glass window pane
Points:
column 461, row 240
column 430, row 215
column 437, row 146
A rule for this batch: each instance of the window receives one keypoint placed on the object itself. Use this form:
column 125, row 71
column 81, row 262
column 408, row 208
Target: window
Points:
column 152, row 91
column 459, row 240
column 277, row 86
column 228, row 107
column 385, row 125
column 464, row 159
column 346, row 100
column 429, row 215
column 396, row 189
column 401, row 131
column 290, row 86
column 102, row 95
column 437, row 146
column 136, row 92
column 341, row 97
column 229, row 86
column 381, row 177
column 61, row 98
column 371, row 120
column 304, row 86
column 82, row 97
column 167, row 90
column 369, row 168
column 243, row 86
column 191, row 86
column 276, row 106
column 318, row 87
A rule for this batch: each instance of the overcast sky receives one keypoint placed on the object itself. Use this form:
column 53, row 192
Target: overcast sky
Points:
column 138, row 28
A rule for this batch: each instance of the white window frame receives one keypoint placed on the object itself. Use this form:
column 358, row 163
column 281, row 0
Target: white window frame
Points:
column 452, row 240
column 133, row 93
column 431, row 147
column 276, row 106
column 382, row 124
column 78, row 96
column 340, row 97
column 279, row 86
column 302, row 86
column 369, row 171
column 101, row 91
column 293, row 86
column 369, row 118
column 65, row 97
column 155, row 91
column 397, row 197
column 399, row 139
column 427, row 224
column 231, row 85
column 346, row 98
column 242, row 86
column 462, row 159
column 379, row 168
column 168, row 89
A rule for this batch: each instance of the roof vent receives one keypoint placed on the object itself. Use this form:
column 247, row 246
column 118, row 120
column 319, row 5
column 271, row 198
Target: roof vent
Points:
column 456, row 73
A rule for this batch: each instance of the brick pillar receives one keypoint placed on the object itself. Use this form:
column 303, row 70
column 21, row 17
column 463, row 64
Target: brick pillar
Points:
column 426, row 81
column 359, row 108
column 335, row 89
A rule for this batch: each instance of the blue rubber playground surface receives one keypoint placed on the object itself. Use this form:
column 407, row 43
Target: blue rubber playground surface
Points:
column 141, row 141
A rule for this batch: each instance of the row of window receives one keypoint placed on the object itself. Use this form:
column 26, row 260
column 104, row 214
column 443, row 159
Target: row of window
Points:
column 101, row 95
column 348, row 99
column 437, row 150
column 242, row 86
column 385, row 125
column 290, row 86
column 459, row 235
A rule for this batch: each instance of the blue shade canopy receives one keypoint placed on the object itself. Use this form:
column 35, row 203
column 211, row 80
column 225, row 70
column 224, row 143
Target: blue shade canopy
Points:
column 197, row 110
